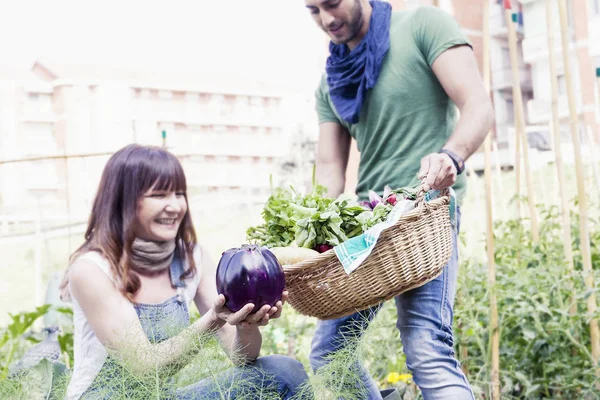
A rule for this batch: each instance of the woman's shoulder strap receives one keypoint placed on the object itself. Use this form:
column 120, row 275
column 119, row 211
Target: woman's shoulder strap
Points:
column 99, row 260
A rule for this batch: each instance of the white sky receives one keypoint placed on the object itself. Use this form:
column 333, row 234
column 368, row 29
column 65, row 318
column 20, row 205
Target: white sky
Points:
column 269, row 39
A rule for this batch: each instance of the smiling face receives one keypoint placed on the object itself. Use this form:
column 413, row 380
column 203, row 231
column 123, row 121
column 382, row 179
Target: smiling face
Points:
column 159, row 215
column 342, row 20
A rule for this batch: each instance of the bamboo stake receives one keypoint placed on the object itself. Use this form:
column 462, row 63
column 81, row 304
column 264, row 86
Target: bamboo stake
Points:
column 517, row 165
column 583, row 207
column 474, row 235
column 498, row 167
column 38, row 256
column 494, row 331
column 164, row 139
column 497, row 177
column 80, row 155
column 464, row 355
column 54, row 157
column 564, row 207
column 520, row 118
column 556, row 193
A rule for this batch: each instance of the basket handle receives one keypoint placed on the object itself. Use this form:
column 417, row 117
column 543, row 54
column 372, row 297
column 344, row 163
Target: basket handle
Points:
column 423, row 189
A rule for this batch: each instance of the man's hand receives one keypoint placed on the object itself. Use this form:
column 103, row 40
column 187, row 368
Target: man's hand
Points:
column 438, row 170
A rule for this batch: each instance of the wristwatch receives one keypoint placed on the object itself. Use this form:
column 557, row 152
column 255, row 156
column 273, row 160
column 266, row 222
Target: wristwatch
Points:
column 459, row 163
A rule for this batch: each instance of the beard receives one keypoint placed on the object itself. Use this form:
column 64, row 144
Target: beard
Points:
column 354, row 24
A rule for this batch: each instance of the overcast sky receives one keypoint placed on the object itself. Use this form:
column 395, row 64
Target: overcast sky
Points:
column 269, row 39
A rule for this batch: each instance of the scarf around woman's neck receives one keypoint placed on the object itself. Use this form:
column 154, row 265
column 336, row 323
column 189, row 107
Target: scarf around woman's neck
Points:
column 350, row 74
column 148, row 257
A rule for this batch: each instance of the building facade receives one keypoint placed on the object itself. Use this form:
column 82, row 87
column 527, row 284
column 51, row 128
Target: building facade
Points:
column 584, row 53
column 231, row 137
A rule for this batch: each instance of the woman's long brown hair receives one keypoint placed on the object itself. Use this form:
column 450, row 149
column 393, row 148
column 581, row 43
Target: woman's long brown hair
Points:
column 127, row 176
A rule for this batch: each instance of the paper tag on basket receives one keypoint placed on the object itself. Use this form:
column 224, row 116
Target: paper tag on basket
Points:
column 434, row 194
column 354, row 251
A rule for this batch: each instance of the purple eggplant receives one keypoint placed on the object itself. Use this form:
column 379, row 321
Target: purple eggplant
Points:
column 249, row 274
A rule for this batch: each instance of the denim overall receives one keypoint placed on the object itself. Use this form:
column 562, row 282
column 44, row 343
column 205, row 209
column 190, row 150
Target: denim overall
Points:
column 270, row 377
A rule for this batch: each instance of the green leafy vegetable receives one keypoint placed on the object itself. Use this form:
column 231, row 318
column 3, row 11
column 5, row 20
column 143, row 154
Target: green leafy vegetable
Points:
column 314, row 220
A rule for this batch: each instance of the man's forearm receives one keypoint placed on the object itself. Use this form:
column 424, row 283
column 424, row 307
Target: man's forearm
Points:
column 476, row 119
column 333, row 177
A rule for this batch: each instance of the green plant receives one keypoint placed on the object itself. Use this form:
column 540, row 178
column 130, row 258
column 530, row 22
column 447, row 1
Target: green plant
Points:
column 544, row 351
column 19, row 326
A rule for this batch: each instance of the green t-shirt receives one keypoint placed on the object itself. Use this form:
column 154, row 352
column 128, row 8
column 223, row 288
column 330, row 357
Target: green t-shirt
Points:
column 407, row 115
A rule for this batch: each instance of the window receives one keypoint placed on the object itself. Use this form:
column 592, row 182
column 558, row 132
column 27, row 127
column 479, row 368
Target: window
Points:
column 165, row 94
column 510, row 112
column 562, row 85
column 447, row 6
column 411, row 4
column 570, row 15
column 505, row 57
column 40, row 139
column 41, row 174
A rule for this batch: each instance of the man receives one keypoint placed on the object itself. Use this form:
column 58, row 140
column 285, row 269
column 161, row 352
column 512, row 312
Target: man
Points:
column 394, row 81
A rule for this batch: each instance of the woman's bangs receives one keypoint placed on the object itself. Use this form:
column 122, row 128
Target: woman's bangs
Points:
column 169, row 175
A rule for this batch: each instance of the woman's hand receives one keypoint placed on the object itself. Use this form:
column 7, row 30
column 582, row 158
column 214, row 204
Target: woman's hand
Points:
column 244, row 317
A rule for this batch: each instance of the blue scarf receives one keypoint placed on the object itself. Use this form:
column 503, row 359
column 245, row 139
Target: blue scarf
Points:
column 350, row 74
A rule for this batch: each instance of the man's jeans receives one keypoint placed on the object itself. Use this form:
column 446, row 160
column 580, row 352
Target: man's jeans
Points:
column 425, row 324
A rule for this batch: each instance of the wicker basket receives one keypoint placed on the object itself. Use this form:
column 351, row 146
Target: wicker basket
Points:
column 407, row 255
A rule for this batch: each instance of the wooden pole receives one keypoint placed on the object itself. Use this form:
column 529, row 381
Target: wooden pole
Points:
column 564, row 207
column 80, row 155
column 582, row 198
column 520, row 117
column 497, row 166
column 517, row 165
column 474, row 236
column 38, row 256
column 54, row 157
column 164, row 139
column 494, row 331
column 498, row 169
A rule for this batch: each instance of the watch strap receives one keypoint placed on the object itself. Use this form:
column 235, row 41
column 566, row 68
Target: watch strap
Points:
column 459, row 163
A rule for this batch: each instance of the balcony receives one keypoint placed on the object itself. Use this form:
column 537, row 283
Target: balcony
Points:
column 594, row 32
column 238, row 144
column 38, row 116
column 502, row 79
column 196, row 113
column 540, row 110
column 536, row 47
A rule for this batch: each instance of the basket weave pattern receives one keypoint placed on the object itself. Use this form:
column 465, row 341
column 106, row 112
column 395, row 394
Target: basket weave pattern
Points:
column 407, row 255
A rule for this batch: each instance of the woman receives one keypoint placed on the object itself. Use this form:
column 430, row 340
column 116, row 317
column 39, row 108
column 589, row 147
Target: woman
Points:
column 131, row 283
